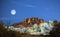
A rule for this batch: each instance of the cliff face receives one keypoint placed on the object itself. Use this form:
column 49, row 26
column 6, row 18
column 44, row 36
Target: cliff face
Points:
column 27, row 22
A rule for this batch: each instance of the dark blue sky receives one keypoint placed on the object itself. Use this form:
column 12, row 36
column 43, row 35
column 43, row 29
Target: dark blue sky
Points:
column 46, row 9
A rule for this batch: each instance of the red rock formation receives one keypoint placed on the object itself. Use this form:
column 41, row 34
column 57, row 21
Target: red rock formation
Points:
column 27, row 22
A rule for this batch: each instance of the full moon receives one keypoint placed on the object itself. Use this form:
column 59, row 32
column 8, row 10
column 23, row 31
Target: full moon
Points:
column 13, row 12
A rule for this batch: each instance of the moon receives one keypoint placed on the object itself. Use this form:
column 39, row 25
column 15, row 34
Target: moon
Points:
column 13, row 12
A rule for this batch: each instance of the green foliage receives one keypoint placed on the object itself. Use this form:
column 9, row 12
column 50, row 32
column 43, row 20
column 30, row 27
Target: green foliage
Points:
column 56, row 31
column 5, row 33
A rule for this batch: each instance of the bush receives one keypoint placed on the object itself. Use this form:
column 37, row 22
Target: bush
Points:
column 5, row 33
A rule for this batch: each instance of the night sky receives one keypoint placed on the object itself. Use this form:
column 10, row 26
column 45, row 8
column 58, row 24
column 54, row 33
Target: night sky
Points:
column 46, row 9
